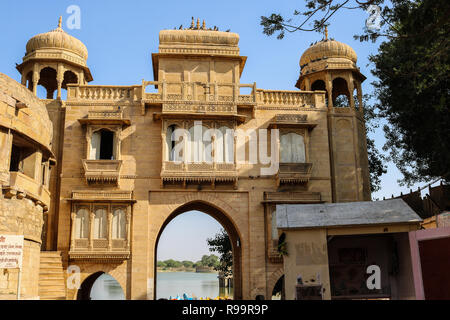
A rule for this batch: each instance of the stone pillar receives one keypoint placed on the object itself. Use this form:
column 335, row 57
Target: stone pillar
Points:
column 59, row 79
column 359, row 93
column 329, row 86
column 73, row 217
column 128, row 228
column 350, row 95
column 91, row 230
column 35, row 82
column 110, row 216
column 307, row 84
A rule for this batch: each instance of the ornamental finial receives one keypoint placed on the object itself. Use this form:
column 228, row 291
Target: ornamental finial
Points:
column 326, row 32
column 60, row 22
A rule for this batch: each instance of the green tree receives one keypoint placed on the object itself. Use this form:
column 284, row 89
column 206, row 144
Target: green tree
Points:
column 187, row 263
column 413, row 91
column 222, row 245
column 412, row 66
column 172, row 263
column 161, row 264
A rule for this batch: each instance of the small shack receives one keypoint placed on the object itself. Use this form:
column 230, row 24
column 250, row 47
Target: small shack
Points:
column 354, row 250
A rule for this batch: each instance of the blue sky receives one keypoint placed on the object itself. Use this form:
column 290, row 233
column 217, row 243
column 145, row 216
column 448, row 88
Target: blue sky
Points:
column 121, row 35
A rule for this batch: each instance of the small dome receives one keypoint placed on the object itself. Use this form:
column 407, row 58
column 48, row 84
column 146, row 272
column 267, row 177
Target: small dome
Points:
column 328, row 49
column 57, row 39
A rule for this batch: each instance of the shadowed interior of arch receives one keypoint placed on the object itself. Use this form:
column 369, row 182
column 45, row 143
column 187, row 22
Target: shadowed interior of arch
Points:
column 100, row 286
column 179, row 219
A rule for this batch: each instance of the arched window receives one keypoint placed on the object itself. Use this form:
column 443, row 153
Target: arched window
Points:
column 102, row 145
column 170, row 150
column 200, row 147
column 292, row 148
column 224, row 145
column 82, row 223
column 340, row 94
column 100, row 222
column 118, row 223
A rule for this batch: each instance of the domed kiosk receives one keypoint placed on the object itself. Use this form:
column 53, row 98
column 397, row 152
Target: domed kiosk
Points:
column 330, row 65
column 54, row 59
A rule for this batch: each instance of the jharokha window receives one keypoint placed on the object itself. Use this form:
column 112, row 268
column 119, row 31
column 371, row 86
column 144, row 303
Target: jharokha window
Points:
column 207, row 145
column 99, row 216
column 292, row 148
column 82, row 222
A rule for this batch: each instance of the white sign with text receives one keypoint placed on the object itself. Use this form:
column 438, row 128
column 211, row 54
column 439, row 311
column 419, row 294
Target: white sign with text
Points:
column 11, row 251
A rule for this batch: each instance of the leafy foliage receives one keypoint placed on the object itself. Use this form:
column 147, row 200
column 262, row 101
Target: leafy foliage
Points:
column 413, row 90
column 221, row 244
column 316, row 16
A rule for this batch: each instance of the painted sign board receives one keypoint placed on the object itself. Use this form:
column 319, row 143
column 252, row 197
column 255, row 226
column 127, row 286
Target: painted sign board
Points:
column 11, row 251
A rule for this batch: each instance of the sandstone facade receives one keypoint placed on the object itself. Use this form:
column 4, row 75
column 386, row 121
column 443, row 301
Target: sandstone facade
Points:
column 116, row 185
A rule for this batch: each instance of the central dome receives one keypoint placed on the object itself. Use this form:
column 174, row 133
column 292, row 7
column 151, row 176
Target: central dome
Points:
column 327, row 49
column 57, row 39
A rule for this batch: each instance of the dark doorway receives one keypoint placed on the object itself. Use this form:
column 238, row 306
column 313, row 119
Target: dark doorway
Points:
column 435, row 263
column 106, row 145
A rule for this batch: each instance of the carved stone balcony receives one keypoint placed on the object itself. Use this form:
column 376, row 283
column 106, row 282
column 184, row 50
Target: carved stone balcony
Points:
column 173, row 172
column 105, row 117
column 100, row 250
column 294, row 173
column 102, row 171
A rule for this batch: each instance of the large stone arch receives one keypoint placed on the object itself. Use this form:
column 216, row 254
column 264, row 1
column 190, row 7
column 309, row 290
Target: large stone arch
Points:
column 272, row 280
column 117, row 271
column 210, row 204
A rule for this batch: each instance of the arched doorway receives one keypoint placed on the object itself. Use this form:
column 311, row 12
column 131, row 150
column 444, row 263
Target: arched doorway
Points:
column 229, row 227
column 278, row 290
column 100, row 286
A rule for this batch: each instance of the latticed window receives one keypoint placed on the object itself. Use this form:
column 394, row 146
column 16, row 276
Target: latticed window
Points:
column 100, row 222
column 292, row 148
column 224, row 145
column 118, row 223
column 82, row 223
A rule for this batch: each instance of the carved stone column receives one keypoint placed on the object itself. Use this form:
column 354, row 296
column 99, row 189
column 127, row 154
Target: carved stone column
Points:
column 73, row 217
column 36, row 77
column 59, row 80
column 110, row 216
column 91, row 230
column 128, row 228
column 329, row 87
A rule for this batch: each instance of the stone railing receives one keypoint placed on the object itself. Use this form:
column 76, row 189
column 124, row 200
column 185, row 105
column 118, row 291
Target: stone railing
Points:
column 281, row 97
column 198, row 172
column 210, row 93
column 102, row 171
column 22, row 186
column 105, row 114
column 294, row 173
column 99, row 93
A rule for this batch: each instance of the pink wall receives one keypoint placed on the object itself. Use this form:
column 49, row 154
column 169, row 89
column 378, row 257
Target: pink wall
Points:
column 414, row 238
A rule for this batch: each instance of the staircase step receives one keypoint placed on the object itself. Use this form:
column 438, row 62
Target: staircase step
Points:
column 51, row 276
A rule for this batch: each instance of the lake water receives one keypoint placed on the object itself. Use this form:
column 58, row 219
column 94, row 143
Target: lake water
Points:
column 200, row 285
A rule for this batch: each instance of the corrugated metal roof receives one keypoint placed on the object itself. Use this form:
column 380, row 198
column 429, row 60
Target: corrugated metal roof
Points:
column 344, row 214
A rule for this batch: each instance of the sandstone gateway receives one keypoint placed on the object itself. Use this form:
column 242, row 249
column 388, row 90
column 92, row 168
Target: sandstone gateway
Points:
column 90, row 180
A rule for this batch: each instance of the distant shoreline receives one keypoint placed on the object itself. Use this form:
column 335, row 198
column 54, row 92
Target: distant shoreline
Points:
column 182, row 270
